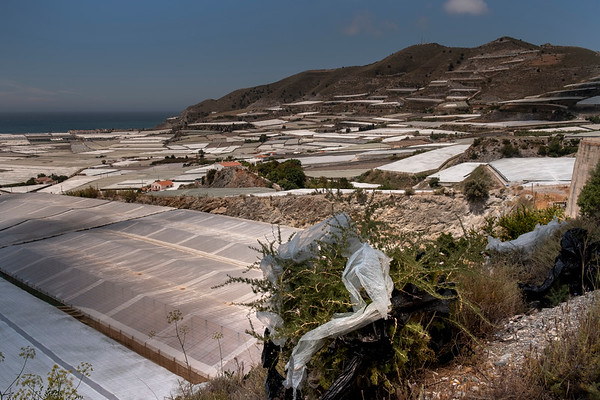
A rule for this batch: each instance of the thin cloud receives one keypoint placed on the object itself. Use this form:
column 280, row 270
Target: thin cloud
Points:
column 364, row 23
column 15, row 88
column 472, row 7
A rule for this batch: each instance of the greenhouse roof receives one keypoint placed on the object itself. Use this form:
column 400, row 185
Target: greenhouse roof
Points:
column 57, row 338
column 127, row 266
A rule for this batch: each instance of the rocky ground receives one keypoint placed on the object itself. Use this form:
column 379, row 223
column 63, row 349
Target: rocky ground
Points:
column 520, row 337
column 236, row 178
column 427, row 215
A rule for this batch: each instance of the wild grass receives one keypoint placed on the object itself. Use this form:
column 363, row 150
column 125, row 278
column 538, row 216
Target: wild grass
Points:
column 233, row 386
column 494, row 296
column 568, row 367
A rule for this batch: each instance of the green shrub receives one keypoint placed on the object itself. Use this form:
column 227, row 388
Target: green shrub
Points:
column 391, row 180
column 332, row 183
column 589, row 198
column 523, row 219
column 311, row 292
column 558, row 147
column 476, row 190
column 434, row 182
column 90, row 192
column 130, row 196
column 210, row 176
column 594, row 119
column 477, row 186
column 508, row 150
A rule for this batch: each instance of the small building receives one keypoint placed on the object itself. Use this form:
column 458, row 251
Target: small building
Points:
column 160, row 185
column 227, row 164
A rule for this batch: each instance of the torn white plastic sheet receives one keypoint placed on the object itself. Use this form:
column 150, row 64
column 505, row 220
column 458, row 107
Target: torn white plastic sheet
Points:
column 272, row 321
column 366, row 268
column 302, row 246
column 525, row 242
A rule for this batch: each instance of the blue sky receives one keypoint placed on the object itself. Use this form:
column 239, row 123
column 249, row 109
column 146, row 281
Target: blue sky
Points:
column 149, row 55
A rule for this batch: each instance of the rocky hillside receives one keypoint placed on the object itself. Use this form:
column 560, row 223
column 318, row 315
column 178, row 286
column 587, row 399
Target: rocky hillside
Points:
column 504, row 69
column 428, row 215
column 235, row 178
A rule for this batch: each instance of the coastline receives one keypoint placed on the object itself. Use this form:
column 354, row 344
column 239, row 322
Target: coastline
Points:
column 60, row 122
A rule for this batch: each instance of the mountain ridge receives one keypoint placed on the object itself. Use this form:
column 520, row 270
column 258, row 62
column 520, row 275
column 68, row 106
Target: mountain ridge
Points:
column 500, row 70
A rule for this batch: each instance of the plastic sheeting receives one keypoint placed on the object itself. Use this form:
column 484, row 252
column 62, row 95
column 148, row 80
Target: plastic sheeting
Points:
column 575, row 267
column 60, row 339
column 367, row 269
column 128, row 265
column 525, row 242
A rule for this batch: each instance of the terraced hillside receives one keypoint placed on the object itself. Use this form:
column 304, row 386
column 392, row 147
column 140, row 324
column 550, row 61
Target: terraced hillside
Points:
column 421, row 77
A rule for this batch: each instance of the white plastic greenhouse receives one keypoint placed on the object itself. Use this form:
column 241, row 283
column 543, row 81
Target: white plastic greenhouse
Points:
column 58, row 339
column 126, row 266
column 428, row 161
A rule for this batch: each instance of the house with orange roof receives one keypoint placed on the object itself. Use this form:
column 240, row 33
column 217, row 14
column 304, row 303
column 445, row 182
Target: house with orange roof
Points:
column 227, row 164
column 157, row 186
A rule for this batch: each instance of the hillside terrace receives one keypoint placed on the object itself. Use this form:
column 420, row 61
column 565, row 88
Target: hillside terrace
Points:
column 328, row 136
column 127, row 159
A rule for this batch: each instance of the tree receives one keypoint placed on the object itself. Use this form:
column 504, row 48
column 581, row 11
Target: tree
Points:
column 434, row 182
column 477, row 185
column 288, row 174
column 589, row 198
column 291, row 170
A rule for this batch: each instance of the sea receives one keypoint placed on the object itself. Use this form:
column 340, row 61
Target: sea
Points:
column 57, row 122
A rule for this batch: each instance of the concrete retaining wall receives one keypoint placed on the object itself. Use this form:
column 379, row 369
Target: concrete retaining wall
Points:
column 588, row 156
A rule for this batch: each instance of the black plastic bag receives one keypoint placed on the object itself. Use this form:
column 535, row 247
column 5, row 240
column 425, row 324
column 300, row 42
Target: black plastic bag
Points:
column 575, row 266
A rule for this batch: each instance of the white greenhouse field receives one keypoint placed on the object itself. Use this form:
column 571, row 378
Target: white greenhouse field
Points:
column 546, row 170
column 127, row 266
column 58, row 338
column 457, row 173
column 428, row 161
